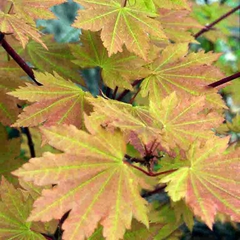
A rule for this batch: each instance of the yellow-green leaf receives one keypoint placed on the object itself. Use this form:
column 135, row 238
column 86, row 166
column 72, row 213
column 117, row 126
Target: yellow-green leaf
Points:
column 130, row 25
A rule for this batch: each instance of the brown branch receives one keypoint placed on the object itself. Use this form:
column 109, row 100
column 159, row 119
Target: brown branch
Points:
column 208, row 27
column 124, row 3
column 18, row 59
column 115, row 92
column 133, row 159
column 10, row 8
column 26, row 131
column 125, row 92
column 224, row 80
column 108, row 91
column 150, row 174
column 134, row 96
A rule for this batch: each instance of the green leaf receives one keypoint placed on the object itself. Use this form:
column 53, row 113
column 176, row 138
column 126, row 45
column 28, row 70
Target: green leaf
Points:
column 118, row 70
column 56, row 59
column 14, row 211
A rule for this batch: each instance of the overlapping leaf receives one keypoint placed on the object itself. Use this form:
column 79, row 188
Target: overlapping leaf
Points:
column 57, row 58
column 34, row 9
column 58, row 101
column 15, row 208
column 37, row 139
column 92, row 180
column 9, row 155
column 163, row 224
column 183, row 120
column 177, row 23
column 174, row 71
column 9, row 80
column 130, row 25
column 13, row 24
column 209, row 183
column 117, row 70
column 112, row 113
column 175, row 122
column 17, row 17
column 228, row 127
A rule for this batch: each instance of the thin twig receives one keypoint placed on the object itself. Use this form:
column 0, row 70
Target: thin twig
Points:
column 124, row 3
column 134, row 96
column 151, row 148
column 157, row 190
column 115, row 92
column 59, row 230
column 26, row 131
column 125, row 92
column 224, row 80
column 17, row 59
column 150, row 174
column 108, row 92
column 10, row 8
column 133, row 159
column 208, row 27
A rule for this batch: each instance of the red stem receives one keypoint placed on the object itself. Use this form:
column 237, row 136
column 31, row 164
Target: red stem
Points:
column 125, row 92
column 208, row 27
column 225, row 80
column 134, row 96
column 150, row 174
column 18, row 59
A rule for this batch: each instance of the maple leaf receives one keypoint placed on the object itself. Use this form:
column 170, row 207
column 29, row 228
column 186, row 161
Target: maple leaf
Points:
column 112, row 113
column 116, row 70
column 162, row 225
column 9, row 80
column 9, row 152
column 17, row 17
column 57, row 58
column 35, row 192
column 209, row 183
column 34, row 9
column 183, row 121
column 174, row 71
column 182, row 211
column 175, row 122
column 15, row 208
column 8, row 108
column 130, row 25
column 177, row 23
column 228, row 127
column 92, row 180
column 234, row 90
column 14, row 24
column 56, row 102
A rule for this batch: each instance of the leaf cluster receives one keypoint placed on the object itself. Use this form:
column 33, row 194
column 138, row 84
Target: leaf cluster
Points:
column 101, row 152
